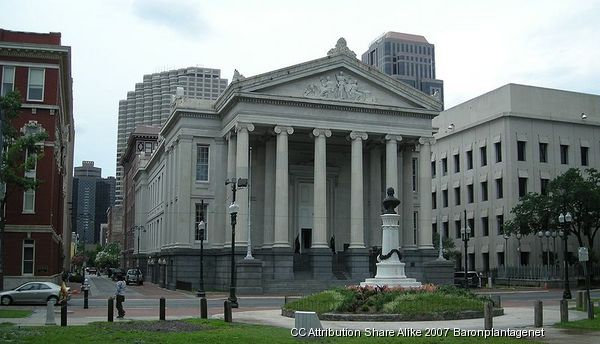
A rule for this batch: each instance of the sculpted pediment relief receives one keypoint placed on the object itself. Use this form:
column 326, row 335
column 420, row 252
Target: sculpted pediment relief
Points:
column 338, row 86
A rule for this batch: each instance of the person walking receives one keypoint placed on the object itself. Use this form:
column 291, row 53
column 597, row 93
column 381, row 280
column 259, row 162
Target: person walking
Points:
column 120, row 294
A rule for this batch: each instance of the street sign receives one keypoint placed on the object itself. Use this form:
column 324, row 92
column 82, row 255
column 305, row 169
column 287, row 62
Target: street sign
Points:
column 583, row 254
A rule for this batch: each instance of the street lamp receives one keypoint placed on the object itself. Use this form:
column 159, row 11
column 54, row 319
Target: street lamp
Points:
column 465, row 233
column 138, row 229
column 441, row 250
column 565, row 222
column 519, row 236
column 233, row 209
column 505, row 236
column 201, row 231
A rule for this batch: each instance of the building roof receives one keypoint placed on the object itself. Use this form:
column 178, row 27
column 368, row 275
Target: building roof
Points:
column 401, row 36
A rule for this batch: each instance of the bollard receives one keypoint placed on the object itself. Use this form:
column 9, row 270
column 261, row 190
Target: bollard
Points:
column 111, row 309
column 203, row 308
column 63, row 314
column 85, row 298
column 496, row 300
column 579, row 299
column 564, row 311
column 227, row 311
column 538, row 315
column 488, row 315
column 161, row 314
column 50, row 313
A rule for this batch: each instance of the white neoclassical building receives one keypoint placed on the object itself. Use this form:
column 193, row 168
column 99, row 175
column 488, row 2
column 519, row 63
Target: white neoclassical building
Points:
column 319, row 142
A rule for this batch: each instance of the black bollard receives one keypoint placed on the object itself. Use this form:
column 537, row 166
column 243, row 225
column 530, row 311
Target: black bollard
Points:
column 227, row 311
column 488, row 315
column 538, row 314
column 161, row 314
column 63, row 314
column 564, row 311
column 85, row 298
column 203, row 308
column 111, row 309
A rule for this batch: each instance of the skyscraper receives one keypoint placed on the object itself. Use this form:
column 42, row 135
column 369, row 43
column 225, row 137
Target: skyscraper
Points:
column 408, row 58
column 150, row 103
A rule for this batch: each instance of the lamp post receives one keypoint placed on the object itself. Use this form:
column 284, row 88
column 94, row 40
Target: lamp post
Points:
column 233, row 209
column 519, row 236
column 138, row 229
column 465, row 233
column 505, row 236
column 565, row 222
column 441, row 250
column 201, row 230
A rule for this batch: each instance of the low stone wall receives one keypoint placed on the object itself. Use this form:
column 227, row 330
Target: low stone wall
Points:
column 438, row 316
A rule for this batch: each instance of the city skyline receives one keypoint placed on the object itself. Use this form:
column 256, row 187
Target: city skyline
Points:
column 547, row 44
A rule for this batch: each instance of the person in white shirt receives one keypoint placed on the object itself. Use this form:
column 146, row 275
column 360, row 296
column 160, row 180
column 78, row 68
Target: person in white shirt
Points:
column 120, row 294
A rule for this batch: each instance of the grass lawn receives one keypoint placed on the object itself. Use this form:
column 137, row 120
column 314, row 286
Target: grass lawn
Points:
column 197, row 331
column 584, row 324
column 13, row 313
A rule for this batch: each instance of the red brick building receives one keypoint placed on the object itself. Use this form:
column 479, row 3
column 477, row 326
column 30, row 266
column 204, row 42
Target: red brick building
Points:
column 37, row 232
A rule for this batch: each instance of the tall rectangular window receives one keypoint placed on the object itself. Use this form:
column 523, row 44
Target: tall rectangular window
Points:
column 522, row 186
column 469, row 160
column 521, row 150
column 499, row 188
column 28, row 256
column 433, row 169
column 543, row 152
column 414, row 174
column 446, row 229
column 484, row 191
column 471, row 223
column 456, row 163
column 457, row 226
column 29, row 195
column 201, row 215
column 445, row 198
column 470, row 194
column 544, row 186
column 485, row 226
column 444, row 166
column 564, row 154
column 584, row 156
column 433, row 200
column 457, row 195
column 8, row 80
column 202, row 163
column 483, row 155
column 500, row 224
column 498, row 150
column 35, row 84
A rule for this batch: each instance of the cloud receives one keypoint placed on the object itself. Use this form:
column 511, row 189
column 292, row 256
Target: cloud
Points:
column 180, row 16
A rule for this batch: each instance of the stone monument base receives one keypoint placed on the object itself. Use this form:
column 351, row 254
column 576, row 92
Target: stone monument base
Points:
column 391, row 274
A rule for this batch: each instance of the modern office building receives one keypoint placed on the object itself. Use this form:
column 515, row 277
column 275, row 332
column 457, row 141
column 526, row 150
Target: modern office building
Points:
column 150, row 103
column 408, row 58
column 38, row 231
column 496, row 147
column 92, row 196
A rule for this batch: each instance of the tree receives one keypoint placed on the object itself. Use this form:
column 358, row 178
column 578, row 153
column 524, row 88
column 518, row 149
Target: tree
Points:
column 448, row 248
column 20, row 153
column 109, row 256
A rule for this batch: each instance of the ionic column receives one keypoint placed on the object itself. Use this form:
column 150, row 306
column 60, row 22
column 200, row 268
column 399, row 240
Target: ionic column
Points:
column 320, row 189
column 407, row 230
column 425, row 239
column 391, row 161
column 241, row 168
column 356, row 194
column 282, row 187
column 269, row 210
column 231, row 152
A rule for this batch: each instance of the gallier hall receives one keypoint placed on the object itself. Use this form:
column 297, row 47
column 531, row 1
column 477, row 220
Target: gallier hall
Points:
column 319, row 143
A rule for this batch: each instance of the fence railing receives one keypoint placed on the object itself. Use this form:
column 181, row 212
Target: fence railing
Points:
column 543, row 272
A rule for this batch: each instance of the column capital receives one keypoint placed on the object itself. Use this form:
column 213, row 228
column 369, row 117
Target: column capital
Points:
column 230, row 134
column 319, row 131
column 279, row 129
column 390, row 137
column 244, row 126
column 355, row 135
column 427, row 140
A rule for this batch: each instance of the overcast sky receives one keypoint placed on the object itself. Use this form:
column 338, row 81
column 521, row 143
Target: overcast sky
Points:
column 480, row 45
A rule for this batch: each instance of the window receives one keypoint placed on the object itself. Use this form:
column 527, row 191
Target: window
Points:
column 201, row 211
column 202, row 163
column 471, row 223
column 8, row 80
column 457, row 195
column 415, row 226
column 522, row 186
column 499, row 188
column 445, row 198
column 444, row 166
column 456, row 163
column 35, row 85
column 521, row 150
column 469, row 160
column 485, row 226
column 584, row 156
column 28, row 256
column 498, row 149
column 500, row 256
column 470, row 194
column 446, row 229
column 564, row 154
column 29, row 195
column 543, row 152
column 457, row 226
column 433, row 200
column 414, row 174
column 544, row 186
column 483, row 154
column 500, row 224
column 484, row 191
column 433, row 169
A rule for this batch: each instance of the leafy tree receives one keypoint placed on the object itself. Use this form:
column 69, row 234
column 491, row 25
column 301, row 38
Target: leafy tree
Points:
column 20, row 152
column 448, row 248
column 109, row 256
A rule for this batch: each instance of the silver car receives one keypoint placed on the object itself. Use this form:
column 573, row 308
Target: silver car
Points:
column 33, row 292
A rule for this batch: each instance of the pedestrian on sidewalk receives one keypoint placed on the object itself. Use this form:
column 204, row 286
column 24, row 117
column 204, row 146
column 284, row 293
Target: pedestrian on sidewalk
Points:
column 120, row 294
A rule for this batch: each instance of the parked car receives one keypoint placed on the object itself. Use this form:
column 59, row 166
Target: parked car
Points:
column 33, row 292
column 134, row 276
column 115, row 272
column 91, row 270
column 473, row 279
